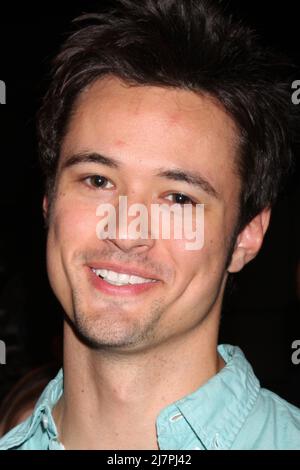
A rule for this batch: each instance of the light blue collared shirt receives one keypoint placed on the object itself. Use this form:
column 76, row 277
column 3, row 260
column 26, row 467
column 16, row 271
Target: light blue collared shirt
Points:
column 230, row 411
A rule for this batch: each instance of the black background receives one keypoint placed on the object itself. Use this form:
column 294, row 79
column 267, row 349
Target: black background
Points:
column 262, row 315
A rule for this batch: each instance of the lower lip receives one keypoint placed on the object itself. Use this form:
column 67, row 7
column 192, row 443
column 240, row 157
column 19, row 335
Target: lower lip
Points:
column 130, row 289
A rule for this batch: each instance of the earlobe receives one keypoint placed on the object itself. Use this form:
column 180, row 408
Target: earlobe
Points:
column 249, row 241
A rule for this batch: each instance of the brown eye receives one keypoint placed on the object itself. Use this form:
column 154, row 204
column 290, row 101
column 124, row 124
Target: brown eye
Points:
column 179, row 198
column 98, row 181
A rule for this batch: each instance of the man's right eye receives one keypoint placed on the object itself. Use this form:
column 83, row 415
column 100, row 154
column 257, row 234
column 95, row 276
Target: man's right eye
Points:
column 98, row 181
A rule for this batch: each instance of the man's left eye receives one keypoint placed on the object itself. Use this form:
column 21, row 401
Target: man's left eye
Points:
column 179, row 198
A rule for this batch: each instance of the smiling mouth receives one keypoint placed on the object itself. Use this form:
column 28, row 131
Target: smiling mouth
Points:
column 121, row 279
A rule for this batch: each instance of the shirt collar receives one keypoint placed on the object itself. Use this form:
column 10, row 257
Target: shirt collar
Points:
column 44, row 406
column 217, row 410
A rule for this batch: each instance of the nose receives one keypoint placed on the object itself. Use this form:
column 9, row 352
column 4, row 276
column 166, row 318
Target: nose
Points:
column 133, row 246
column 133, row 225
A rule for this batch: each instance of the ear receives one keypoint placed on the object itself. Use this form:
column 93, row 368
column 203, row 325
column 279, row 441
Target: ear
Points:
column 249, row 241
column 45, row 207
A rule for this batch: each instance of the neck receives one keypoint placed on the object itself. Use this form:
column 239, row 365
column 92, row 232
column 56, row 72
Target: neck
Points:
column 111, row 399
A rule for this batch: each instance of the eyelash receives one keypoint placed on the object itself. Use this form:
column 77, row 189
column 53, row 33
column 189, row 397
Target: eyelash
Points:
column 189, row 200
column 87, row 180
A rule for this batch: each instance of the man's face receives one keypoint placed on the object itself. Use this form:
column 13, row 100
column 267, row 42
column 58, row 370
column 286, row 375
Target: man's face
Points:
column 149, row 137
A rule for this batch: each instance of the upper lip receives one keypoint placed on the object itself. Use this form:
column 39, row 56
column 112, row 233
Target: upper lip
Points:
column 132, row 271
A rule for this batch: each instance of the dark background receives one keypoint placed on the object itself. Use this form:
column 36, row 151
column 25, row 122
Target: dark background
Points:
column 262, row 315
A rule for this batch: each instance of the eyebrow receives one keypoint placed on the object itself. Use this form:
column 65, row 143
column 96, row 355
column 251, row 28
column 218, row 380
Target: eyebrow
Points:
column 87, row 157
column 175, row 174
column 190, row 177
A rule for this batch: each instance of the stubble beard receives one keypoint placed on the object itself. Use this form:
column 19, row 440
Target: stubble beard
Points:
column 113, row 326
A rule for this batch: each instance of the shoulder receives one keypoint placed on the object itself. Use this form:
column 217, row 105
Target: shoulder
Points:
column 280, row 411
column 273, row 424
column 14, row 439
column 33, row 433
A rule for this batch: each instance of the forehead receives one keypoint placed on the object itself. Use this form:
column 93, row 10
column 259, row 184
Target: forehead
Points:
column 153, row 125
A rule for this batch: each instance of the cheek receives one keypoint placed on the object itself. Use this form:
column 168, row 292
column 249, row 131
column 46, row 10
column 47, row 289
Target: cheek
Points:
column 199, row 276
column 203, row 267
column 208, row 259
column 72, row 228
column 73, row 224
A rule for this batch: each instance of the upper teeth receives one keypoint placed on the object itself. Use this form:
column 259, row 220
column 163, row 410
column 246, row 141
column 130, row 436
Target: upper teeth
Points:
column 120, row 279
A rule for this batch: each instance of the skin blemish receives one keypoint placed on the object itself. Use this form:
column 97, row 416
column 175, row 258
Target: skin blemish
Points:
column 174, row 119
column 120, row 143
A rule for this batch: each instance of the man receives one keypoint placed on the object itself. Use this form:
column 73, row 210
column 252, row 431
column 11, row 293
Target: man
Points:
column 159, row 102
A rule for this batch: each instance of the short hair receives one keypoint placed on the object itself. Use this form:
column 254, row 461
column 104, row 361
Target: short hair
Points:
column 191, row 45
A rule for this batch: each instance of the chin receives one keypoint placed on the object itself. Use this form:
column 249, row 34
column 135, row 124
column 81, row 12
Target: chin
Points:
column 100, row 331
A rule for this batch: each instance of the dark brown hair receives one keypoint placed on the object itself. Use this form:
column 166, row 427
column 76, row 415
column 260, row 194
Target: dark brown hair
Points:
column 192, row 45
